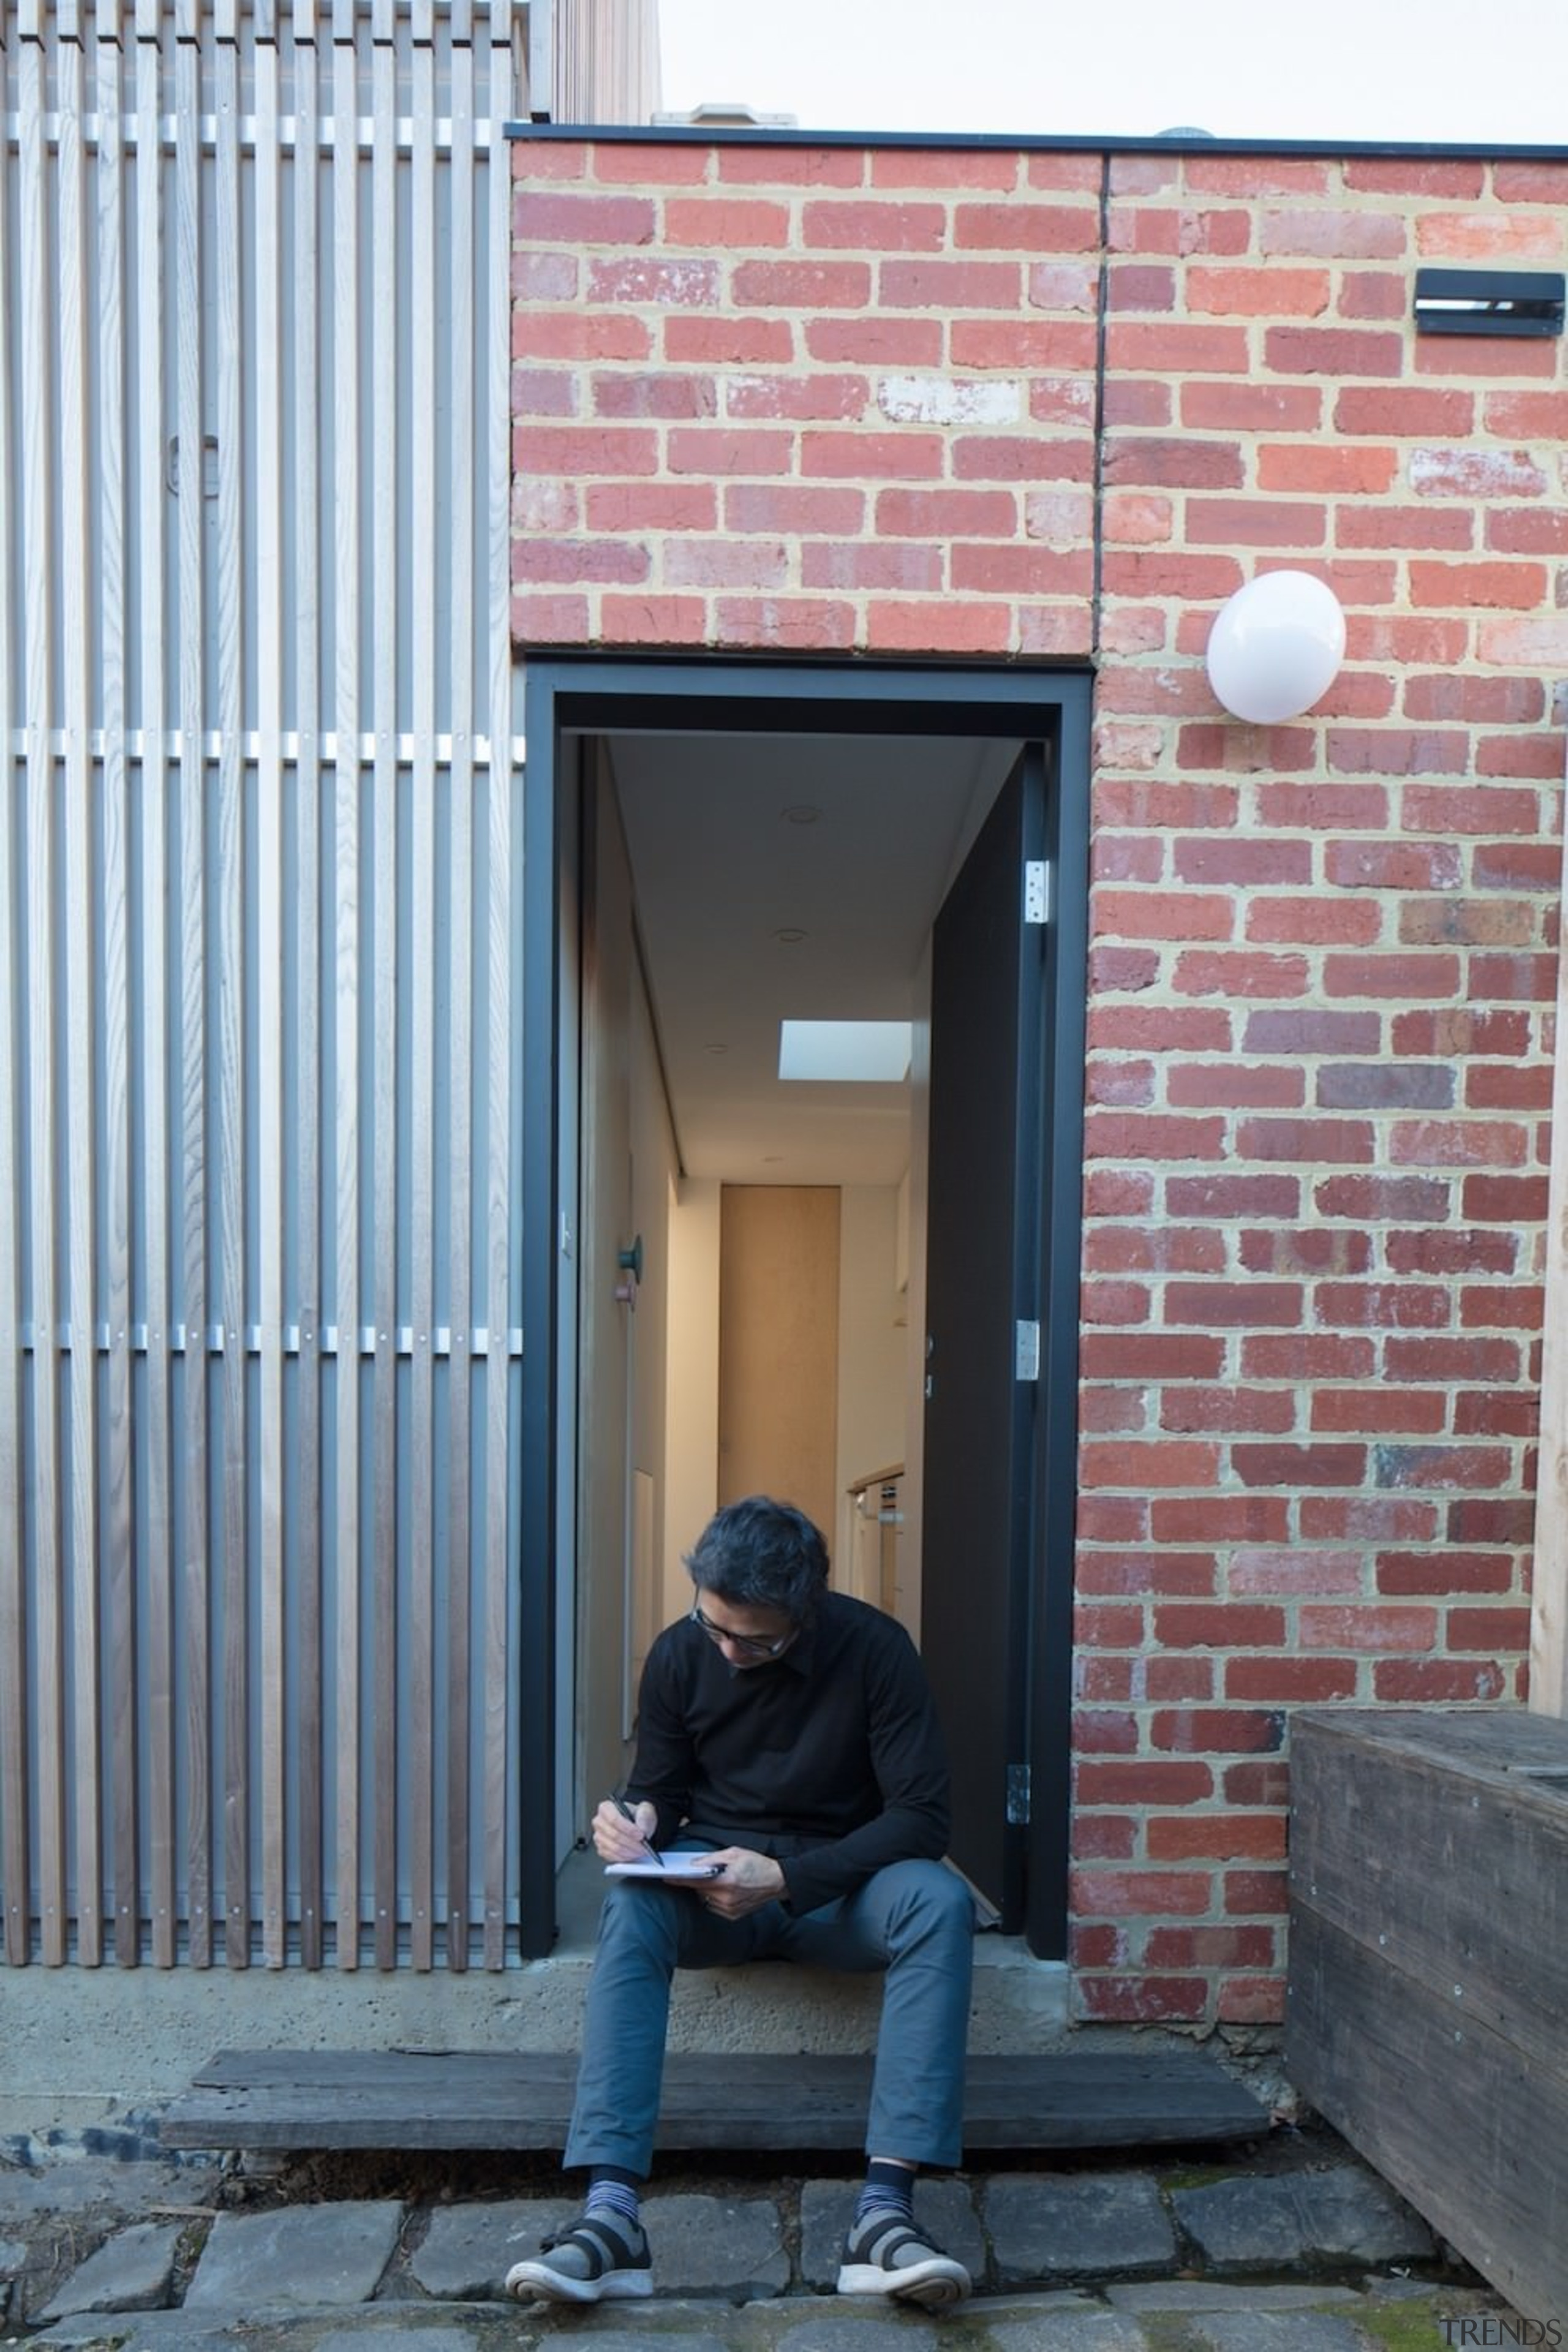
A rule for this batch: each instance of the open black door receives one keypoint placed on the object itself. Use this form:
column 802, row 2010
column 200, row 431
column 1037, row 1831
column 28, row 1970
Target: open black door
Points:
column 983, row 1305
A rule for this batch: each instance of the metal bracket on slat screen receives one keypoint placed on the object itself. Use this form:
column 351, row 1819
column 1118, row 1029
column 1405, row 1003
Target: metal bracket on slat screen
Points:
column 293, row 1340
column 1036, row 891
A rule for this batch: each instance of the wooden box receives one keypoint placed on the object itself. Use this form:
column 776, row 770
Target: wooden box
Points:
column 1427, row 2016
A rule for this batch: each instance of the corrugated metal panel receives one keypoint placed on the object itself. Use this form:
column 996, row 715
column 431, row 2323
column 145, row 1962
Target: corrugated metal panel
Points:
column 260, row 973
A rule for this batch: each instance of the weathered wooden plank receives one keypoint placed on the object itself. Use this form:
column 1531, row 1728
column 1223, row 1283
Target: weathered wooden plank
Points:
column 305, row 597
column 346, row 993
column 488, row 2099
column 499, row 1031
column 151, row 291
column 228, row 911
column 15, row 1763
column 463, row 930
column 424, row 432
column 1549, row 1573
column 124, row 1743
column 194, row 1598
column 1456, row 1877
column 1497, row 1745
column 80, row 964
column 1410, row 2079
column 42, row 858
column 195, row 1601
column 267, row 431
column 384, row 281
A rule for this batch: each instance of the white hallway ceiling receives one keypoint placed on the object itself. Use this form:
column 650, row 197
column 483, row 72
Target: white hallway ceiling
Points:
column 719, row 871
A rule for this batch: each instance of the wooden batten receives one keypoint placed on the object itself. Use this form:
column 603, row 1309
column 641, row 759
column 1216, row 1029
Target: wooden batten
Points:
column 1131, row 2097
column 1549, row 1587
column 256, row 736
column 1429, row 1910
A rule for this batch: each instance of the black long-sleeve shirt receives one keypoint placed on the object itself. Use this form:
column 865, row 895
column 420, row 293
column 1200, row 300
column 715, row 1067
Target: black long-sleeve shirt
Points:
column 829, row 1758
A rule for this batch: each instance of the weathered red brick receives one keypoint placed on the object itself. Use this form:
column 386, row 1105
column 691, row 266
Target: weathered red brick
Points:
column 647, row 393
column 717, row 222
column 654, row 620
column 1294, row 1571
column 801, row 285
column 792, row 167
column 584, row 450
column 939, row 625
column 943, row 167
column 578, row 335
column 740, row 342
column 1416, row 1412
column 1252, row 1892
column 907, row 565
column 1307, row 1356
column 1225, row 1409
column 721, row 449
column 548, row 216
column 872, row 456
column 1218, row 1837
column 1342, row 234
column 1139, row 1894
column 1234, row 1085
column 1220, row 1731
column 785, row 623
column 1432, row 1681
column 924, row 284
column 875, row 224
column 1152, row 1355
column 1140, row 1999
column 688, row 285
column 1299, row 1465
column 561, row 562
column 1240, row 972
column 803, row 507
column 1444, row 1572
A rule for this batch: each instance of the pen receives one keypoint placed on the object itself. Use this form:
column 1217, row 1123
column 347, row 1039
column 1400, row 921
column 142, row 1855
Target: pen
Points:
column 627, row 1814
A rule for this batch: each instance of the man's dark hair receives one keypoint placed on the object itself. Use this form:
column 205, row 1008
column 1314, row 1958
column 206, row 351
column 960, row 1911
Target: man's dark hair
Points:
column 761, row 1554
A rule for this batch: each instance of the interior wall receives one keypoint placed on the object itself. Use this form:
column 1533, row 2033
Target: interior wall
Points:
column 917, row 1187
column 691, row 1388
column 778, row 1345
column 653, row 1178
column 872, row 1356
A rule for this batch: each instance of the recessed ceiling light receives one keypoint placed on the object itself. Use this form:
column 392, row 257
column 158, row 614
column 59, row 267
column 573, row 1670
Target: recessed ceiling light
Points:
column 790, row 937
column 860, row 1052
column 800, row 813
column 715, row 1049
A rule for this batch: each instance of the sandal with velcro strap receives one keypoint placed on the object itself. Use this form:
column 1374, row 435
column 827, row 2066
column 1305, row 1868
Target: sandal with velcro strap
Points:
column 599, row 2259
column 887, row 2255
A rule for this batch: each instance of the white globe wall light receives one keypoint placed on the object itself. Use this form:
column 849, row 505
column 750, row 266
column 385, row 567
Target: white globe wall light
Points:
column 1276, row 646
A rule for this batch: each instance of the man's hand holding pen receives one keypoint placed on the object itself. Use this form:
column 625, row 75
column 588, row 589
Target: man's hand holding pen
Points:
column 622, row 1833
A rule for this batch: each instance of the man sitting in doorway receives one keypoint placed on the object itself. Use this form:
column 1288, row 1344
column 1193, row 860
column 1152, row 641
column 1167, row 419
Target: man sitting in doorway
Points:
column 787, row 1733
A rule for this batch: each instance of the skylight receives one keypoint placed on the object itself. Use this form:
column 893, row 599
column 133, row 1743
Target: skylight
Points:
column 861, row 1052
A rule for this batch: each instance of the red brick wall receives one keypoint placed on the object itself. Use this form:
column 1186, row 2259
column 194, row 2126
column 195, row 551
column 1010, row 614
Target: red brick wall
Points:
column 836, row 399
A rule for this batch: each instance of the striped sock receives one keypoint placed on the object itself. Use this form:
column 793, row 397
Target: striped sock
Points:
column 889, row 2189
column 608, row 2194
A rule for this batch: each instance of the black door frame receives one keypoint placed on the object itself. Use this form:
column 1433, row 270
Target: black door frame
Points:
column 594, row 692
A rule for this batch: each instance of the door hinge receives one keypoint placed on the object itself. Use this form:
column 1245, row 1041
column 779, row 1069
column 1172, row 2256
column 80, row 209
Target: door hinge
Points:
column 1036, row 890
column 1028, row 1364
column 1018, row 1796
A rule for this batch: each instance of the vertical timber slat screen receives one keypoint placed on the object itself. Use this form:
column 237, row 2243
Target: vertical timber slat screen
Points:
column 260, row 980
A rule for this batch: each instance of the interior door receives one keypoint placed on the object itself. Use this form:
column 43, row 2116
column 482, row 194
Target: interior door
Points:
column 987, row 1026
column 604, row 1631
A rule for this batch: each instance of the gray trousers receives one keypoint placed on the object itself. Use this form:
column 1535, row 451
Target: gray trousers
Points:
column 914, row 1919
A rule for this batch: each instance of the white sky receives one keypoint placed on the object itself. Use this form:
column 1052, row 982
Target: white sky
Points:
column 1444, row 70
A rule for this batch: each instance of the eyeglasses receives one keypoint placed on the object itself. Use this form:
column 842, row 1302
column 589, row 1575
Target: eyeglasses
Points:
column 751, row 1643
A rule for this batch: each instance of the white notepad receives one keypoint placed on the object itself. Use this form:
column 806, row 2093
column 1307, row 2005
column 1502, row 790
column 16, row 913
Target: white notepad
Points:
column 674, row 1866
